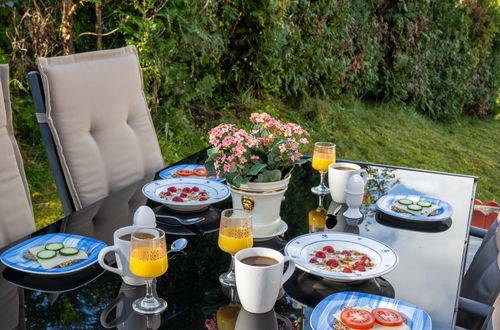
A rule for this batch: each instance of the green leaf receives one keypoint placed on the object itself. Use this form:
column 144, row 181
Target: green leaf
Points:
column 256, row 169
column 212, row 152
column 209, row 166
column 302, row 161
column 269, row 176
column 237, row 180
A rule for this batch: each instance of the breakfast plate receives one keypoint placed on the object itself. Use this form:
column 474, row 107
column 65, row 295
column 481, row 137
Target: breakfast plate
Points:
column 184, row 169
column 324, row 314
column 391, row 205
column 14, row 257
column 341, row 257
column 186, row 194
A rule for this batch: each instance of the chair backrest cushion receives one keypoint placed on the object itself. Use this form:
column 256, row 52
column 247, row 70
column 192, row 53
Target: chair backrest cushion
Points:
column 16, row 214
column 482, row 280
column 100, row 121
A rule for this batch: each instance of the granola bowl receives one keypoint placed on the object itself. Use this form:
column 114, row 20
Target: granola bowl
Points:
column 186, row 194
column 341, row 257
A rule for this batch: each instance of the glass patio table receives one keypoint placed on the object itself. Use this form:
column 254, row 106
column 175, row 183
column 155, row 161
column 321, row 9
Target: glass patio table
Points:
column 431, row 260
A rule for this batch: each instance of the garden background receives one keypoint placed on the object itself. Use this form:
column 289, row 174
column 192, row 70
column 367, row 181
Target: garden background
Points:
column 404, row 82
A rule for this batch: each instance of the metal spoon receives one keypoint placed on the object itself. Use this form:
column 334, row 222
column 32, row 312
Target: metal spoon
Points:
column 181, row 221
column 178, row 245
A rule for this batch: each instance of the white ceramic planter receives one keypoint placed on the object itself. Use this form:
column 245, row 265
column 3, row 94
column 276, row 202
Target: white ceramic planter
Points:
column 263, row 201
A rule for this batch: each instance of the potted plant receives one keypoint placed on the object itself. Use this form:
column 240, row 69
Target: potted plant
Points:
column 257, row 165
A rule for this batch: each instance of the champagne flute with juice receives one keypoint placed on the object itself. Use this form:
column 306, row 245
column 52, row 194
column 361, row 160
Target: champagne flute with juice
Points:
column 323, row 156
column 235, row 234
column 148, row 259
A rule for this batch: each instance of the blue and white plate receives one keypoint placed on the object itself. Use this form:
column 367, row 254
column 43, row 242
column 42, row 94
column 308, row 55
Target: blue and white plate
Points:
column 444, row 212
column 169, row 173
column 322, row 316
column 302, row 248
column 13, row 257
column 216, row 192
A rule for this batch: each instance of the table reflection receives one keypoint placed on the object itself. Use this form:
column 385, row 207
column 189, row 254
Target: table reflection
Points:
column 125, row 317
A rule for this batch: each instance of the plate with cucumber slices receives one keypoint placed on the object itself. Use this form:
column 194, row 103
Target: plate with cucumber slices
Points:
column 53, row 254
column 415, row 208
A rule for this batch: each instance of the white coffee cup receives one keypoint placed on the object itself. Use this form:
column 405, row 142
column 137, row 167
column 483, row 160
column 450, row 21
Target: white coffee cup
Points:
column 121, row 248
column 258, row 286
column 338, row 174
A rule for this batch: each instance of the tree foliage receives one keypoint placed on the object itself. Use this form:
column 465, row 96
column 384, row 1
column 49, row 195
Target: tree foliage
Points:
column 198, row 56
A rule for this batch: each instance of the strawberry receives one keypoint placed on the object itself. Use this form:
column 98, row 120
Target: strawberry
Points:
column 328, row 249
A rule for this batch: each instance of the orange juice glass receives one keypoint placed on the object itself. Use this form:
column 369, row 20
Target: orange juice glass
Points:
column 148, row 259
column 235, row 234
column 323, row 156
column 233, row 239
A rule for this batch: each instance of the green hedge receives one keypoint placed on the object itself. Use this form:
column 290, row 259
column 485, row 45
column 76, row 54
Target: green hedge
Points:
column 200, row 57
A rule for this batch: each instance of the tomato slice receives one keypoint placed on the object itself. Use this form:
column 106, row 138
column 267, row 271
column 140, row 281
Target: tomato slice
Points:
column 200, row 172
column 184, row 172
column 357, row 318
column 388, row 317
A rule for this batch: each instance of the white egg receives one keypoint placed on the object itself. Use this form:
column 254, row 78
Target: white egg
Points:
column 144, row 216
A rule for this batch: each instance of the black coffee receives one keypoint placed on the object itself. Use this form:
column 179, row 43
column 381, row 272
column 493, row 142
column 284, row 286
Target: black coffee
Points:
column 128, row 237
column 260, row 261
column 344, row 168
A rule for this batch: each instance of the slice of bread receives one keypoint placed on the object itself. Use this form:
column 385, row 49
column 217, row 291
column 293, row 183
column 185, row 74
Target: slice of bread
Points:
column 425, row 212
column 340, row 326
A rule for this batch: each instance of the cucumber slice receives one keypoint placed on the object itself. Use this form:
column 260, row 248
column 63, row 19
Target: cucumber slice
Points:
column 46, row 254
column 414, row 207
column 424, row 203
column 405, row 201
column 53, row 246
column 69, row 251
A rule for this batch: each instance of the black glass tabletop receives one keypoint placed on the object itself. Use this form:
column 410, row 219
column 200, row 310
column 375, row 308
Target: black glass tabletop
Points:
column 431, row 258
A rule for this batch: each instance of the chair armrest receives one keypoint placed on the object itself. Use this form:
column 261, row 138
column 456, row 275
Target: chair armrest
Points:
column 474, row 307
column 477, row 232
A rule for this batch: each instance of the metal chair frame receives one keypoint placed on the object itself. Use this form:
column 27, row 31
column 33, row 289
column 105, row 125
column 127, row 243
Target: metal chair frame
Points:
column 38, row 96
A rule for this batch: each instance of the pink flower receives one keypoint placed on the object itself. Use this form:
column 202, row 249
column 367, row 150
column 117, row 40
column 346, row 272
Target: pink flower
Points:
column 254, row 157
column 228, row 167
column 282, row 148
column 304, row 141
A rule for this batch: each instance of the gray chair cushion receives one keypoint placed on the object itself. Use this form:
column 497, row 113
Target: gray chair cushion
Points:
column 16, row 215
column 98, row 115
column 482, row 280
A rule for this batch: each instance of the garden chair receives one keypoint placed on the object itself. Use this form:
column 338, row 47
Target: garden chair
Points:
column 95, row 123
column 16, row 215
column 481, row 283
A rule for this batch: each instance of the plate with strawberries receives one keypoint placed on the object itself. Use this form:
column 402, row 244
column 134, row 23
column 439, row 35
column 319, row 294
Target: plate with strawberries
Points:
column 186, row 194
column 341, row 257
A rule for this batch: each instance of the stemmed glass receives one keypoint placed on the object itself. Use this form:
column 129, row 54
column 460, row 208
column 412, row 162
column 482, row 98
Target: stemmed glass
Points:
column 148, row 259
column 235, row 234
column 323, row 156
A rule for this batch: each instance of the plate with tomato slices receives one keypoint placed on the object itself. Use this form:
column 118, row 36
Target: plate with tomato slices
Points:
column 187, row 171
column 356, row 310
column 341, row 257
column 186, row 194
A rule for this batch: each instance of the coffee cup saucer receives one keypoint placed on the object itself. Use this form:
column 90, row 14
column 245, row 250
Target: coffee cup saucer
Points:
column 283, row 227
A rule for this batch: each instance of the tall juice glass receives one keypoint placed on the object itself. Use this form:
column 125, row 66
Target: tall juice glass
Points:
column 148, row 259
column 323, row 155
column 235, row 234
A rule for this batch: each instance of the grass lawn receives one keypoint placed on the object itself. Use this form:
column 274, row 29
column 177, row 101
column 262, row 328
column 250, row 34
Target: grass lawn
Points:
column 379, row 133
